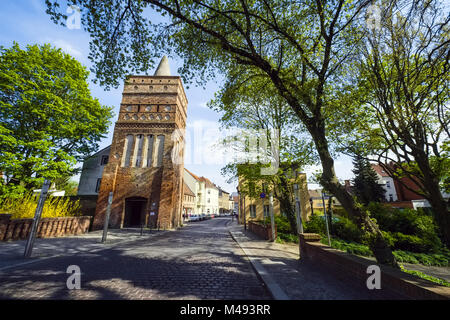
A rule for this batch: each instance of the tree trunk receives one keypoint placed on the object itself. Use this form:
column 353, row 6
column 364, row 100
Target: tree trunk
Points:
column 377, row 243
column 434, row 196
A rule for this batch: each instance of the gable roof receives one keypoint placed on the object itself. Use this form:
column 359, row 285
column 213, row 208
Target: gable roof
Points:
column 187, row 191
column 379, row 169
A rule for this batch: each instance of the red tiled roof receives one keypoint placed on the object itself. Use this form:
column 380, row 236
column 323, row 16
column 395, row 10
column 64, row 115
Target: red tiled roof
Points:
column 187, row 190
column 379, row 169
column 195, row 176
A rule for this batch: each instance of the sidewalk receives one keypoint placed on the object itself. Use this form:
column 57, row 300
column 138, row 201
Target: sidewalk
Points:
column 11, row 252
column 289, row 278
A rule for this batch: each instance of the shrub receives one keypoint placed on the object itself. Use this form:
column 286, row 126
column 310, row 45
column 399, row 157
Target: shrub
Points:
column 350, row 247
column 25, row 207
column 316, row 224
column 282, row 224
column 407, row 222
column 347, row 230
column 411, row 243
column 286, row 237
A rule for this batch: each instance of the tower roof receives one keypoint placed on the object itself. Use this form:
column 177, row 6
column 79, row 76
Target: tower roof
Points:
column 163, row 68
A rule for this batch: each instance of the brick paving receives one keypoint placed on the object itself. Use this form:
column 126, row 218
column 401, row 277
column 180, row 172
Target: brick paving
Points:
column 200, row 261
column 299, row 279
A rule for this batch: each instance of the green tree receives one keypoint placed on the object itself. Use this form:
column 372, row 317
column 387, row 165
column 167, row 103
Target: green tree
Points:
column 255, row 107
column 402, row 96
column 365, row 183
column 304, row 48
column 48, row 118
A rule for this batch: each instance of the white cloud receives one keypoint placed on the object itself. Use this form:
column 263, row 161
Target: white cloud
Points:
column 67, row 48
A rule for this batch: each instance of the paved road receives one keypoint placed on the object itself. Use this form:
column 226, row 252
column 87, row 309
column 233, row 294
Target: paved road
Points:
column 200, row 261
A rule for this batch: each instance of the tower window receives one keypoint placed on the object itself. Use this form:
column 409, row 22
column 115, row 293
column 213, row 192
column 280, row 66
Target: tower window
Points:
column 149, row 150
column 127, row 149
column 160, row 151
column 97, row 187
column 104, row 160
column 138, row 150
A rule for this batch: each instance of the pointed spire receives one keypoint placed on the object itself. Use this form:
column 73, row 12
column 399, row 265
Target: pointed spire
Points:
column 163, row 68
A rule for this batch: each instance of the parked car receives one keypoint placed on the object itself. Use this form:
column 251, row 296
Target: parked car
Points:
column 194, row 217
column 203, row 216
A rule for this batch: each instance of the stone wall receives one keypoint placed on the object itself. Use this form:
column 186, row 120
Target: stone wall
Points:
column 346, row 265
column 19, row 229
column 264, row 232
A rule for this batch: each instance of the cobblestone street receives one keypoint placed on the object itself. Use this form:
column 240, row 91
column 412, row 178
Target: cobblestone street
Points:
column 200, row 261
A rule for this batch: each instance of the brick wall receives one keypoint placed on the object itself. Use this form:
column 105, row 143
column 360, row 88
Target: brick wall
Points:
column 18, row 229
column 343, row 263
column 264, row 232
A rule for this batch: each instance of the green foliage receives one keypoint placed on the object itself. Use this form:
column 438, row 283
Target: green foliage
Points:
column 350, row 247
column 286, row 237
column 48, row 118
column 365, row 182
column 347, row 230
column 316, row 224
column 282, row 224
column 422, row 275
column 433, row 259
column 25, row 207
column 407, row 229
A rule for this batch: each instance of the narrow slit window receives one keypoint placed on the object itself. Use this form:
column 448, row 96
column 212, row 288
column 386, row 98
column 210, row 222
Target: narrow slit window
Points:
column 160, row 151
column 149, row 150
column 139, row 143
column 127, row 148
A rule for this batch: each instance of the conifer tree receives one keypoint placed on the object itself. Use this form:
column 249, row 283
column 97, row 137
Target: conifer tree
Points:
column 365, row 182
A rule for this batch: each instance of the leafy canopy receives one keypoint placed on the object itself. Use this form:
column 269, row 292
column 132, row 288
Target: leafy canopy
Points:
column 48, row 118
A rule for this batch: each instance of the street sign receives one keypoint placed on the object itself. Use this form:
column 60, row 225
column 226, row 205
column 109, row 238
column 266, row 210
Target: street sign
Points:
column 262, row 195
column 37, row 218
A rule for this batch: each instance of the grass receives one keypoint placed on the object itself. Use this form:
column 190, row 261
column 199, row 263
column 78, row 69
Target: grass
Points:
column 422, row 275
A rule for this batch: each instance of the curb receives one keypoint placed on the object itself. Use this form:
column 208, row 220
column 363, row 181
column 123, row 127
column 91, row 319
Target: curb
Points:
column 273, row 287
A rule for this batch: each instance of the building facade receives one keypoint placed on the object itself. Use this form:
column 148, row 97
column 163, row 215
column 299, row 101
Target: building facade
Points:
column 388, row 183
column 145, row 168
column 92, row 172
column 257, row 208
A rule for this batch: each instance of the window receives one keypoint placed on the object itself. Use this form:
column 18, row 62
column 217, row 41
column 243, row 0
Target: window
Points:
column 128, row 145
column 104, row 160
column 391, row 198
column 160, row 149
column 388, row 184
column 209, row 201
column 138, row 150
column 252, row 211
column 149, row 150
column 97, row 187
column 266, row 211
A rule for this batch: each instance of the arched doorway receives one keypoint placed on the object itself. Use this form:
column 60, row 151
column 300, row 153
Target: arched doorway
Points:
column 134, row 212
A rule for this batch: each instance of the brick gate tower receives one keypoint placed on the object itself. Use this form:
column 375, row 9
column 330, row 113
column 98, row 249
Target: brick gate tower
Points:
column 145, row 167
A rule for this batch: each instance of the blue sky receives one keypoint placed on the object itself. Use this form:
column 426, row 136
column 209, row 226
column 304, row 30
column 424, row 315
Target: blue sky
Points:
column 26, row 22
